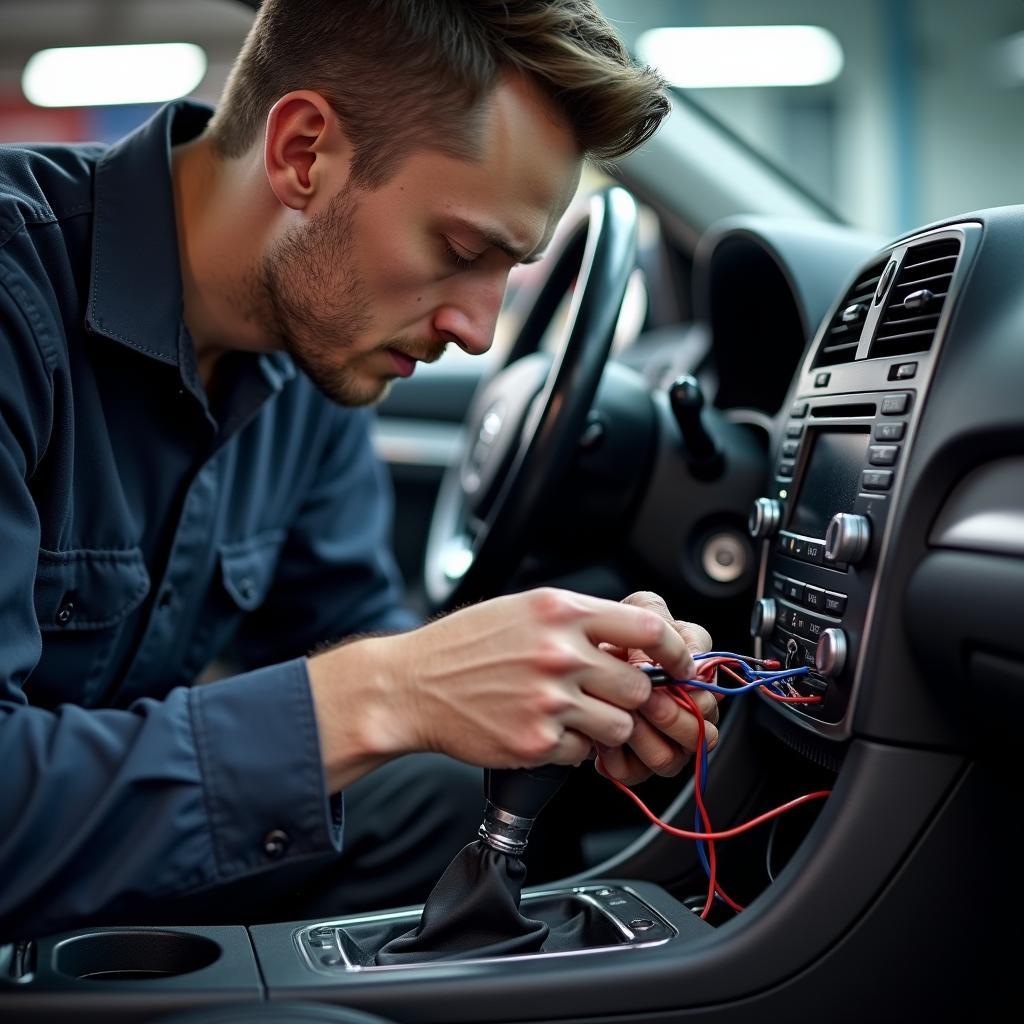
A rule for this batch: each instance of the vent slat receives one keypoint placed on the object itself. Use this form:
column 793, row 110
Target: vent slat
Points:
column 918, row 281
column 841, row 340
column 844, row 347
column 928, row 267
column 906, row 321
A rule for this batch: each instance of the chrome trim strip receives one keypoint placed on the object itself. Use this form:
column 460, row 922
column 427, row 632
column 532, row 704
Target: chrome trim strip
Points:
column 410, row 442
column 583, row 892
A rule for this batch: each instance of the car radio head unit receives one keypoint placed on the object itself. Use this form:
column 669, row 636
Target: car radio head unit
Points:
column 830, row 479
column 840, row 457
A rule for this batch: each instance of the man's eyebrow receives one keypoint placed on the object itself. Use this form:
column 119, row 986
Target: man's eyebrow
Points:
column 497, row 240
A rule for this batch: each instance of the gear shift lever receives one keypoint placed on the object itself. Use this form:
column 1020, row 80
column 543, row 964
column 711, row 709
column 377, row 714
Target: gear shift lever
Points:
column 475, row 905
column 515, row 796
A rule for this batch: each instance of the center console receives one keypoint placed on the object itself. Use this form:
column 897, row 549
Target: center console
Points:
column 838, row 469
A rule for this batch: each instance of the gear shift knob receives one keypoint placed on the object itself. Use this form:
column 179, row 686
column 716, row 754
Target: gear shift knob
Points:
column 515, row 796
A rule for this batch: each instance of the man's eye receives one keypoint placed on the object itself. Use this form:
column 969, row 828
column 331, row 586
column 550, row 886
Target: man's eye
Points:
column 455, row 257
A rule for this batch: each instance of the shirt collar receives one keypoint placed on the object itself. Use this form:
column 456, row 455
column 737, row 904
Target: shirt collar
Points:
column 135, row 292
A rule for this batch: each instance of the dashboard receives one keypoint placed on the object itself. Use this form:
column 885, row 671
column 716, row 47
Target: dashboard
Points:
column 867, row 402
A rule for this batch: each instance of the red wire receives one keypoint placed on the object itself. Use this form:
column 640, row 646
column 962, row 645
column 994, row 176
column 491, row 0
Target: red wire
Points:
column 771, row 693
column 685, row 700
column 706, row 673
column 728, row 833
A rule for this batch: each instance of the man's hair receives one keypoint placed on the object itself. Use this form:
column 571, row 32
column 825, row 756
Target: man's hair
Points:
column 405, row 74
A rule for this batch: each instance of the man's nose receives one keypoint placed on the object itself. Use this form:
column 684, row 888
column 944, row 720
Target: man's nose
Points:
column 469, row 317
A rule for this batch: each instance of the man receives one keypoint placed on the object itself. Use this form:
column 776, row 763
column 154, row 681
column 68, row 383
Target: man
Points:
column 168, row 480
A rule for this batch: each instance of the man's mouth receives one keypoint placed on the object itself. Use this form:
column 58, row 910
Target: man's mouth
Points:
column 404, row 365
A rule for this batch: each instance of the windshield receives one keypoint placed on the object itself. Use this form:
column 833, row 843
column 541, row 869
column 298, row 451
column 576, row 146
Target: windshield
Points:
column 908, row 111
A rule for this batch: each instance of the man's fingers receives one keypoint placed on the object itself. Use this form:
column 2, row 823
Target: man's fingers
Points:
column 573, row 747
column 695, row 636
column 602, row 722
column 708, row 704
column 676, row 722
column 622, row 764
column 629, row 626
column 655, row 751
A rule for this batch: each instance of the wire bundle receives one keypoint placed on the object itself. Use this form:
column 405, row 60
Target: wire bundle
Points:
column 751, row 674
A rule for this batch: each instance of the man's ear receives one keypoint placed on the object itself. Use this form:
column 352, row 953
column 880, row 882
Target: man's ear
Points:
column 304, row 149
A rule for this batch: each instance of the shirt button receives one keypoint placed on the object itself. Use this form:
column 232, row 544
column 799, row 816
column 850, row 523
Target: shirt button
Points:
column 66, row 612
column 247, row 588
column 275, row 843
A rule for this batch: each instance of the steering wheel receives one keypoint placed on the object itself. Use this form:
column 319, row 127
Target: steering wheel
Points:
column 525, row 423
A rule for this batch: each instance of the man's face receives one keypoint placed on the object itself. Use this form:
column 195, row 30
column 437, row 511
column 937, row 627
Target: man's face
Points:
column 374, row 281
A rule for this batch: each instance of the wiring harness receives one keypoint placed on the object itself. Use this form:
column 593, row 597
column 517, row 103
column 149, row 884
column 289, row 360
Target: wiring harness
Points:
column 750, row 674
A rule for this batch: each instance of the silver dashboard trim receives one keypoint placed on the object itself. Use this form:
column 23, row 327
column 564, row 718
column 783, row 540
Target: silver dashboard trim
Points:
column 415, row 442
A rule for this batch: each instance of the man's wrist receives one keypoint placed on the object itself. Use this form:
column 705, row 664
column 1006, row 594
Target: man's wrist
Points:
column 360, row 716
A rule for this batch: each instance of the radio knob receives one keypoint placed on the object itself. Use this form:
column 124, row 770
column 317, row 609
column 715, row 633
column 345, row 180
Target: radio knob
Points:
column 762, row 618
column 847, row 538
column 765, row 517
column 830, row 657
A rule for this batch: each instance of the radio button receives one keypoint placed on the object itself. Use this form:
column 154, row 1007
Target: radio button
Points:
column 785, row 470
column 798, row 623
column 814, row 551
column 798, row 410
column 778, row 584
column 794, row 429
column 821, row 380
column 876, row 479
column 765, row 517
column 835, row 604
column 794, row 591
column 830, row 657
column 789, row 449
column 890, row 431
column 799, row 548
column 883, row 454
column 814, row 598
column 904, row 371
column 814, row 629
column 848, row 536
column 762, row 618
column 895, row 405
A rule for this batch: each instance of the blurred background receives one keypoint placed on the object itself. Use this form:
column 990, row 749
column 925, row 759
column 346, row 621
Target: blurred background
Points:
column 894, row 112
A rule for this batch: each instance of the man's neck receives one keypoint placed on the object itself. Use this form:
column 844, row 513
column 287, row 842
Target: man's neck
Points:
column 217, row 206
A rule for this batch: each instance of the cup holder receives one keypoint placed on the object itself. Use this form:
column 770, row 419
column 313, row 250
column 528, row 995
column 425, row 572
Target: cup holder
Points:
column 133, row 955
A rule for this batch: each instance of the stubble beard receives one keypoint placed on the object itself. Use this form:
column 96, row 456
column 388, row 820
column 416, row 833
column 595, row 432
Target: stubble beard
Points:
column 316, row 304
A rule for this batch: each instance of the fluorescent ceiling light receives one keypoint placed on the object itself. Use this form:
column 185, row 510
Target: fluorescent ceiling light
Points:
column 1009, row 62
column 747, row 55
column 92, row 76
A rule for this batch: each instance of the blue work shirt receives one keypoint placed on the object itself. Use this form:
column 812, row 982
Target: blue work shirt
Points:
column 143, row 530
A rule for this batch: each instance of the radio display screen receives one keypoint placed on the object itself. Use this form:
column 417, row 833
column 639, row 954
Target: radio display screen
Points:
column 831, row 481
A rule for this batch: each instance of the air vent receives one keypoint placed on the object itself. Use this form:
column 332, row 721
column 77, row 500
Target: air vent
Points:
column 843, row 335
column 916, row 299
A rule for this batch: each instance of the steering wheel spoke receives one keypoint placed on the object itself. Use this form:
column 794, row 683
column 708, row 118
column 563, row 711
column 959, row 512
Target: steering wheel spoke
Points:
column 526, row 421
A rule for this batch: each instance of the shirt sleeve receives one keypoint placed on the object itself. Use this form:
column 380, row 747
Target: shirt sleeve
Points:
column 106, row 808
column 337, row 575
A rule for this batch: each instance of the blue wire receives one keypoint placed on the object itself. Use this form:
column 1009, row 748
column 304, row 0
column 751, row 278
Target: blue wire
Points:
column 757, row 677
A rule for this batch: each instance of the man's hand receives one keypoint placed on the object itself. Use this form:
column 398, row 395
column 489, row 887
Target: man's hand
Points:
column 664, row 734
column 525, row 680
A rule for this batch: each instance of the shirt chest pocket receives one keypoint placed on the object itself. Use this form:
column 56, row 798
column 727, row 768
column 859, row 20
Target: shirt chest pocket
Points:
column 82, row 599
column 248, row 566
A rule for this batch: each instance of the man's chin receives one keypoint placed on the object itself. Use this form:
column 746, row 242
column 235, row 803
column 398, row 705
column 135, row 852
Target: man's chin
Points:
column 352, row 393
